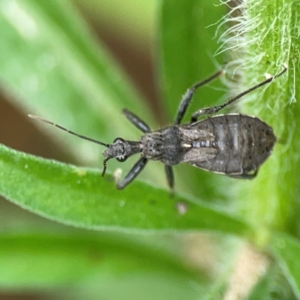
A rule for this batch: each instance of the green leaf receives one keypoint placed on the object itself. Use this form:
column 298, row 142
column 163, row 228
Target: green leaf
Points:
column 46, row 260
column 272, row 285
column 52, row 66
column 286, row 251
column 82, row 198
column 261, row 291
column 263, row 288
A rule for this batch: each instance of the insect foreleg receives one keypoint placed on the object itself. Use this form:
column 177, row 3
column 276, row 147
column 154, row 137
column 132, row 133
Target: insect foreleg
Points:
column 187, row 97
column 136, row 121
column 136, row 169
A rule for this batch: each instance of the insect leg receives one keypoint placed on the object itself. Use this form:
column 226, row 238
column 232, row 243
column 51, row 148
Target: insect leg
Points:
column 170, row 176
column 135, row 120
column 215, row 109
column 187, row 97
column 135, row 170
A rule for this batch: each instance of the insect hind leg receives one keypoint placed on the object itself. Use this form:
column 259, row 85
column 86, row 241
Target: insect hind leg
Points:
column 215, row 109
column 187, row 97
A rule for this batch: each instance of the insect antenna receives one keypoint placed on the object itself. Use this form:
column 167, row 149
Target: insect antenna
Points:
column 68, row 131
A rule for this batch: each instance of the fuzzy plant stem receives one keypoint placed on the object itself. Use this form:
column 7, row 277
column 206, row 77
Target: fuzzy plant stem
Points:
column 263, row 35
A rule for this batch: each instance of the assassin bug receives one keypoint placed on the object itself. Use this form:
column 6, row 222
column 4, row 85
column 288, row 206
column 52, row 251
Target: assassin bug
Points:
column 231, row 144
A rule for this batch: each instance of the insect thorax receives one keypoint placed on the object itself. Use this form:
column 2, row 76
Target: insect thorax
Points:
column 163, row 145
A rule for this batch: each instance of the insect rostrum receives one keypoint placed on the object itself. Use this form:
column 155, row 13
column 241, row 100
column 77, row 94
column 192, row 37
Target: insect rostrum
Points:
column 231, row 144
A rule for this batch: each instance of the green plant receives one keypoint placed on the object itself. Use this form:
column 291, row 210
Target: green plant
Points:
column 52, row 67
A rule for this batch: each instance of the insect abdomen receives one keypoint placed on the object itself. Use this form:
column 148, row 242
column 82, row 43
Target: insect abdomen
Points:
column 243, row 144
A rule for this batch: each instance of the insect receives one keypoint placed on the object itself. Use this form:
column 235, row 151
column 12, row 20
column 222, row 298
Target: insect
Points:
column 230, row 144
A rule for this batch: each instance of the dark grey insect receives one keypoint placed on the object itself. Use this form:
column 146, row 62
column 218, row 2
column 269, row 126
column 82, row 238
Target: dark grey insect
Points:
column 231, row 144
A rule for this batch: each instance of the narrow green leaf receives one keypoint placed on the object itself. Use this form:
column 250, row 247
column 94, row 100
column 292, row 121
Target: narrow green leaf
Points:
column 52, row 66
column 82, row 198
column 48, row 260
column 263, row 287
column 286, row 250
column 272, row 285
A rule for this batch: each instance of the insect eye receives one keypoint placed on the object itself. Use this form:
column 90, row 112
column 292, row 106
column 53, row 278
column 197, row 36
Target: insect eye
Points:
column 118, row 140
column 121, row 158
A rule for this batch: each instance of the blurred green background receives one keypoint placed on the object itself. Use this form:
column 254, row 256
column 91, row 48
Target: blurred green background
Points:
column 79, row 63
